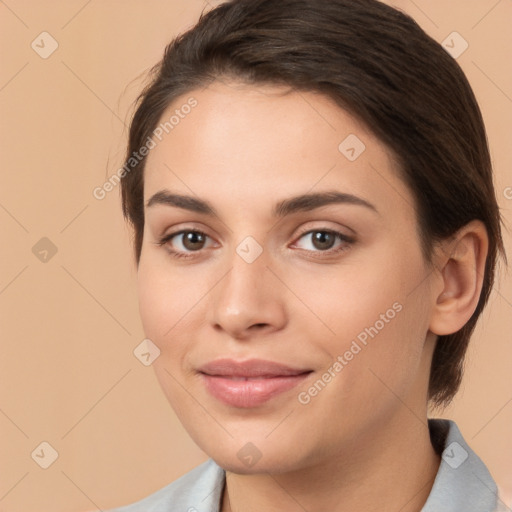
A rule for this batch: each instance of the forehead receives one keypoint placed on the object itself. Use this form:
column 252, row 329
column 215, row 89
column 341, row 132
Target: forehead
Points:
column 253, row 144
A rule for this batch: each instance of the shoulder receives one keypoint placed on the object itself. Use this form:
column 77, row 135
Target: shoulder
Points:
column 199, row 490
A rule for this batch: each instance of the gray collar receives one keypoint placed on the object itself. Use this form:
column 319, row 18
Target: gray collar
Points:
column 463, row 482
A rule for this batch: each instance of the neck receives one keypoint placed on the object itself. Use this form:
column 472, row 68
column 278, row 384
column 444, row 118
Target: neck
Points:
column 393, row 469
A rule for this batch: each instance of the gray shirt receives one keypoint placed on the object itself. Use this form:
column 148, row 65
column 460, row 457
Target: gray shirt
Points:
column 462, row 484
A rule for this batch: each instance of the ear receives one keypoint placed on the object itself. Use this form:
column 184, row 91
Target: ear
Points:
column 460, row 262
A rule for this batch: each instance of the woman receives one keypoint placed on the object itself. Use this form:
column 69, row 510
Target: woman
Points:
column 316, row 233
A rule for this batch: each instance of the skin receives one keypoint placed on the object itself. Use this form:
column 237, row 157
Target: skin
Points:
column 243, row 149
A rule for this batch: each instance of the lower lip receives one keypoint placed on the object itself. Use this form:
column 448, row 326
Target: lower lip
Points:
column 250, row 393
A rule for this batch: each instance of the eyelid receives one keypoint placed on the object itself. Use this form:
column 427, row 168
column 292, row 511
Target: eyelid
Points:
column 338, row 230
column 169, row 236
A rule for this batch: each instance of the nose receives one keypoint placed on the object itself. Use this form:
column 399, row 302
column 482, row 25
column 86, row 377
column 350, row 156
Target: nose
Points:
column 248, row 300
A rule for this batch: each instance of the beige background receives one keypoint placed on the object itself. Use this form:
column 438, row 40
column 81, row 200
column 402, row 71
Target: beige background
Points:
column 69, row 325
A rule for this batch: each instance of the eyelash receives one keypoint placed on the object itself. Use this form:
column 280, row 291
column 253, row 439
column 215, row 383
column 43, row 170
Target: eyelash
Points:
column 340, row 236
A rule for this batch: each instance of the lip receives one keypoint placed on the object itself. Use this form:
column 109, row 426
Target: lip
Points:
column 250, row 368
column 251, row 383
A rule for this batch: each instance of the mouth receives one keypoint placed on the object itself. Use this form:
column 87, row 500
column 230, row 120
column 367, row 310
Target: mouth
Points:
column 249, row 383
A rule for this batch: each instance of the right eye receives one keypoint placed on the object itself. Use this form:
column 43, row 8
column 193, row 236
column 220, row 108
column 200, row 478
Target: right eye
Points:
column 188, row 241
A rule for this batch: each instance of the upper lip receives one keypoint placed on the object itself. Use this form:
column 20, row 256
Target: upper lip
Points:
column 249, row 368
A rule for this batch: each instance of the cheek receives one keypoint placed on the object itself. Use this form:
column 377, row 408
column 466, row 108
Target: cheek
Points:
column 163, row 299
column 351, row 298
column 172, row 304
column 377, row 313
column 165, row 306
column 373, row 366
column 151, row 293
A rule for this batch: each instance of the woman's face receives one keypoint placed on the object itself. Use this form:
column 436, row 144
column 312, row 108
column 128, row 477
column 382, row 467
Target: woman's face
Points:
column 332, row 287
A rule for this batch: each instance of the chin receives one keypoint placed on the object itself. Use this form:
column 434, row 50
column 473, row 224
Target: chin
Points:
column 238, row 467
column 249, row 460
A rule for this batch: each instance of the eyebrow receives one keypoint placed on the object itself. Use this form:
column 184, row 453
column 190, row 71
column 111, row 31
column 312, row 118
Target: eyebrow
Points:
column 303, row 202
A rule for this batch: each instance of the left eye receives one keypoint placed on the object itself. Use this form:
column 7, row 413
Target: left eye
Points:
column 323, row 240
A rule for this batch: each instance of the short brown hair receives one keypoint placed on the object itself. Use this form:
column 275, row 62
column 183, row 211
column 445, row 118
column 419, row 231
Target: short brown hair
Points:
column 376, row 63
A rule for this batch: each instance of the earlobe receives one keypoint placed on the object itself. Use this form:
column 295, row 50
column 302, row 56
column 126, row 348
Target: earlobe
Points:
column 461, row 264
